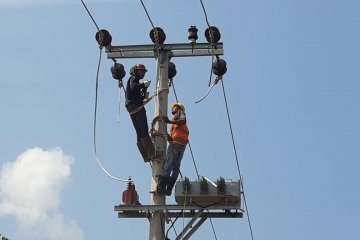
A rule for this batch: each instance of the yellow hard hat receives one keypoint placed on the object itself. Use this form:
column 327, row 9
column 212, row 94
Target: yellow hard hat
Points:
column 177, row 104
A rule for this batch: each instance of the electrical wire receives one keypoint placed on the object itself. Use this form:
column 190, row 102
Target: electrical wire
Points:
column 95, row 118
column 212, row 226
column 210, row 88
column 147, row 14
column 172, row 224
column 228, row 115
column 211, row 38
column 156, row 33
column 183, row 222
column 119, row 102
column 90, row 15
column 236, row 157
column 206, row 18
column 96, row 104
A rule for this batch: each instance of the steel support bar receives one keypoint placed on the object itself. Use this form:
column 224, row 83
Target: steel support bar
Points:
column 194, row 228
column 142, row 214
column 189, row 225
column 174, row 211
column 152, row 208
column 177, row 50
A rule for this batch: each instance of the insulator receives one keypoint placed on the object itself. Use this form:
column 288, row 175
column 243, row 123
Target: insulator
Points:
column 103, row 37
column 193, row 34
column 212, row 34
column 204, row 188
column 118, row 71
column 171, row 70
column 130, row 196
column 219, row 67
column 221, row 186
column 186, row 186
column 157, row 35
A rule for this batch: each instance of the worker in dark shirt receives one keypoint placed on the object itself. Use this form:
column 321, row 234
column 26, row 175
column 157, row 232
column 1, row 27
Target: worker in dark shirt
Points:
column 136, row 93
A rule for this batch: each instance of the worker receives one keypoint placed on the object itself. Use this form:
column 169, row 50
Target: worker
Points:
column 136, row 93
column 178, row 139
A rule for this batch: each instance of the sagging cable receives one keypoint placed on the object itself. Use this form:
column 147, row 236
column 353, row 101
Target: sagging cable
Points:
column 94, row 129
column 217, row 79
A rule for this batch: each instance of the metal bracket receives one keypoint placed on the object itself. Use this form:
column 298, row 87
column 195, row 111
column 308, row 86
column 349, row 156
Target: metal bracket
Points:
column 176, row 50
column 186, row 234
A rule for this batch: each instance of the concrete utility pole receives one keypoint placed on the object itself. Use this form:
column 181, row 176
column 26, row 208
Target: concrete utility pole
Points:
column 162, row 55
column 157, row 224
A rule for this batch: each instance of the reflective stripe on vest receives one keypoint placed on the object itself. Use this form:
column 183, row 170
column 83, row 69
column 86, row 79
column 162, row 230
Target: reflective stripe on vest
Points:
column 179, row 134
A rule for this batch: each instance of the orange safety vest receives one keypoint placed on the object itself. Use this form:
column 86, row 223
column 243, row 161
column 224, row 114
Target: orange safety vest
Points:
column 179, row 134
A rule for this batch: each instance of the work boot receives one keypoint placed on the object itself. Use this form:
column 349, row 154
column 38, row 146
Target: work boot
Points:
column 162, row 181
column 149, row 147
column 170, row 185
column 143, row 152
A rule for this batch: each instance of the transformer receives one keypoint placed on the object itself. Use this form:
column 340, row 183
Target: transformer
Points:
column 207, row 192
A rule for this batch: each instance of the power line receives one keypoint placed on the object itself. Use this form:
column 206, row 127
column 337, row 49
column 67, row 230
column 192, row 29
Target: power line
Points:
column 236, row 157
column 90, row 15
column 156, row 33
column 211, row 37
column 147, row 14
column 213, row 229
column 228, row 115
column 95, row 117
column 96, row 104
column 206, row 18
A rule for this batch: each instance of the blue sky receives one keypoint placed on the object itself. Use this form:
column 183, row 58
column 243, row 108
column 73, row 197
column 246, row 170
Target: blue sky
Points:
column 293, row 92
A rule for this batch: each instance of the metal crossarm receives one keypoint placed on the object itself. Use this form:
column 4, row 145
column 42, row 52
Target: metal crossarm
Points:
column 173, row 211
column 177, row 50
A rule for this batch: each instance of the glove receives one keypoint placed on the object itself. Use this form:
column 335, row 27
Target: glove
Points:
column 147, row 83
column 146, row 96
column 166, row 120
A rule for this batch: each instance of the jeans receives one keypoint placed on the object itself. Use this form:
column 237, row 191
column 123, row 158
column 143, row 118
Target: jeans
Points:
column 172, row 163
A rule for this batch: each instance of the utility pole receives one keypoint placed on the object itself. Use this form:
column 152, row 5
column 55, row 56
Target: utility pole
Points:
column 162, row 53
column 157, row 224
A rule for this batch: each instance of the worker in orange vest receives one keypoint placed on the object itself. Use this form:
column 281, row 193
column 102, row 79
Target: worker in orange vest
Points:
column 178, row 139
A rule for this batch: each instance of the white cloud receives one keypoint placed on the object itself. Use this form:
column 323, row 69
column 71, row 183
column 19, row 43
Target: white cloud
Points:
column 30, row 191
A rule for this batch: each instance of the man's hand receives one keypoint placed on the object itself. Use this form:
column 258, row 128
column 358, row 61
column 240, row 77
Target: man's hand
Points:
column 166, row 119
